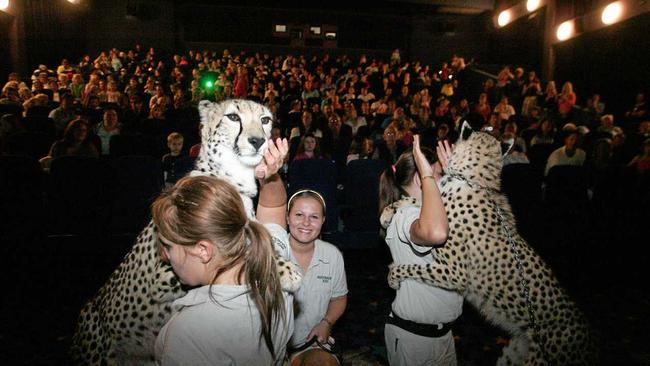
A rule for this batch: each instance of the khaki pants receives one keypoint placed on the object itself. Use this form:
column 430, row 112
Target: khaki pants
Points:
column 407, row 349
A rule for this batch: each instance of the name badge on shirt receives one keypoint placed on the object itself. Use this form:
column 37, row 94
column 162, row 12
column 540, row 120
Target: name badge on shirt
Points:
column 325, row 279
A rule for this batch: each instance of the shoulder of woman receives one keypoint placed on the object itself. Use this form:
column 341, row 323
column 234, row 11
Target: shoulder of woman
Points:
column 329, row 248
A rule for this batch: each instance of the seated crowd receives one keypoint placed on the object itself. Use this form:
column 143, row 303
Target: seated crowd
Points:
column 329, row 107
column 332, row 108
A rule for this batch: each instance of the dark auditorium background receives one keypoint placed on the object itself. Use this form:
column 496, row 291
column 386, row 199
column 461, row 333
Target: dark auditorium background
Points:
column 598, row 252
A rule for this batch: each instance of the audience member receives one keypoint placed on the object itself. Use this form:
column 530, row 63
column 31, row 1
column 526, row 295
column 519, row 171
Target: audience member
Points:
column 362, row 148
column 390, row 148
column 566, row 100
column 568, row 154
column 641, row 162
column 109, row 127
column 545, row 134
column 64, row 113
column 504, row 110
column 308, row 148
column 76, row 141
column 175, row 145
column 639, row 110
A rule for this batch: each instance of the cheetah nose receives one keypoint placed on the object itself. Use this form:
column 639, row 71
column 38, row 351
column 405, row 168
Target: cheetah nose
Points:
column 256, row 142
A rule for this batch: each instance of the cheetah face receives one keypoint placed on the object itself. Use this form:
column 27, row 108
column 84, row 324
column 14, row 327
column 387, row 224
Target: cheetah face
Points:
column 478, row 156
column 242, row 127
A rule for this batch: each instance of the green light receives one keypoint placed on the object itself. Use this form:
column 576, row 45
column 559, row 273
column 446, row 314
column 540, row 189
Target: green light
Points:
column 208, row 84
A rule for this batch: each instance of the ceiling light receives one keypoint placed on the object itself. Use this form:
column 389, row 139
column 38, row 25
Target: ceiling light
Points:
column 565, row 30
column 504, row 18
column 612, row 13
column 532, row 5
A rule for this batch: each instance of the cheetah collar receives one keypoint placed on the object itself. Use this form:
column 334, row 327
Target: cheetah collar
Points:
column 390, row 210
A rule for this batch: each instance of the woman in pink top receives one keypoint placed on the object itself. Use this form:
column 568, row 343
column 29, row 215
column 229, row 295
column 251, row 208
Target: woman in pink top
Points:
column 566, row 99
column 308, row 148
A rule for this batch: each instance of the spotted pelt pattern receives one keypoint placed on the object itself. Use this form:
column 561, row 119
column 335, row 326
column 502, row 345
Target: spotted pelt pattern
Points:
column 478, row 261
column 120, row 324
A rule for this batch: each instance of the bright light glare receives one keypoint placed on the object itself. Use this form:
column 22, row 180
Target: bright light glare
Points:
column 612, row 13
column 504, row 18
column 208, row 84
column 73, row 1
column 565, row 30
column 4, row 4
column 532, row 5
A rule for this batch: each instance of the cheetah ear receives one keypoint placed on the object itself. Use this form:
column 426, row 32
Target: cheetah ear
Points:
column 205, row 106
column 506, row 146
column 465, row 130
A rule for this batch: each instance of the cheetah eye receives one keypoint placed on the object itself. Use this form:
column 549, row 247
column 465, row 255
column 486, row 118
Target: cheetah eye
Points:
column 266, row 120
column 234, row 117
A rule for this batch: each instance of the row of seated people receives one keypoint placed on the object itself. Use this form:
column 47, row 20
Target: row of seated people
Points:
column 334, row 132
column 82, row 195
column 380, row 136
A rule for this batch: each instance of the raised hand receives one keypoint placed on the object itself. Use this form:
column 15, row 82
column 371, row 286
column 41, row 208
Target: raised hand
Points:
column 421, row 162
column 444, row 152
column 274, row 156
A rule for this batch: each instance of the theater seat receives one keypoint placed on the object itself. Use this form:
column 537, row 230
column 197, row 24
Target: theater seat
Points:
column 566, row 188
column 33, row 144
column 319, row 175
column 21, row 194
column 362, row 195
column 523, row 187
column 80, row 194
column 138, row 181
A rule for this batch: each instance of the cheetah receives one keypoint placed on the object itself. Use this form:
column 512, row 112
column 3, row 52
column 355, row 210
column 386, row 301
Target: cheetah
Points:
column 120, row 324
column 491, row 265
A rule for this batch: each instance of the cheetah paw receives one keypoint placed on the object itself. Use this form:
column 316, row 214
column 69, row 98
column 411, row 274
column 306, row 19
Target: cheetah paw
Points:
column 290, row 277
column 393, row 280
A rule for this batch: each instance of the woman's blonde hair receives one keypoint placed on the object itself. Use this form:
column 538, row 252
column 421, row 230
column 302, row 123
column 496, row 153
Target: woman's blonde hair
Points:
column 208, row 208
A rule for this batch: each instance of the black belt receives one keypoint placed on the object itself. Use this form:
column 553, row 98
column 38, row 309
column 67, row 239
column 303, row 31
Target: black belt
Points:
column 308, row 344
column 424, row 330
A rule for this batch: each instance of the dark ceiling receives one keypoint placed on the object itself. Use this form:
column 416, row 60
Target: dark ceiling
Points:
column 395, row 7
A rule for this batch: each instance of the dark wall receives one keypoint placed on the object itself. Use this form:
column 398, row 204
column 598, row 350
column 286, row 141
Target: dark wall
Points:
column 421, row 35
column 123, row 23
column 519, row 43
column 53, row 30
column 612, row 61
column 5, row 51
column 435, row 38
column 57, row 29
column 212, row 23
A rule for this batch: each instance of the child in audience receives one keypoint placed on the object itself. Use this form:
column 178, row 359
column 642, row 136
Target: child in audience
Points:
column 175, row 145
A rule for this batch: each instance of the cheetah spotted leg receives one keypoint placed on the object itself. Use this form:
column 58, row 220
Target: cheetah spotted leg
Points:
column 515, row 353
column 450, row 276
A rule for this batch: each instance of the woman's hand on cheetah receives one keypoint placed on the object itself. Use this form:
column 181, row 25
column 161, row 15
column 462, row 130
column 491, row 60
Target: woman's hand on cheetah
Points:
column 274, row 157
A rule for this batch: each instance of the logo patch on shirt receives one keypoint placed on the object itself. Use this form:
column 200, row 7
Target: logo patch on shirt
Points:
column 278, row 243
column 325, row 279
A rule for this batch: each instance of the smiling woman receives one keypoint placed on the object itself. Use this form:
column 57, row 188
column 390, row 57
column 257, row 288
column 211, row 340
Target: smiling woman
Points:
column 322, row 297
